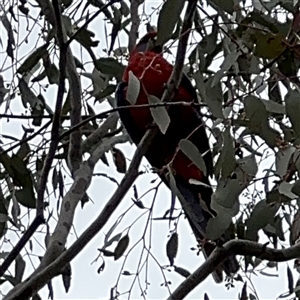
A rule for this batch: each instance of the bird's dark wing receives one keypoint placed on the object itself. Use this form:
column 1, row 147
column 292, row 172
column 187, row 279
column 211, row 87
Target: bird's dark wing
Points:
column 184, row 120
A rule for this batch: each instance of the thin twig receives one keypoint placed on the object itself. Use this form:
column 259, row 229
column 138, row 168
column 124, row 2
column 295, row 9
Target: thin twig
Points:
column 107, row 112
column 27, row 139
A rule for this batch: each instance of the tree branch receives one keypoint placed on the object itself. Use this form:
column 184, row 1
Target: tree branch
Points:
column 135, row 23
column 74, row 153
column 233, row 247
column 39, row 219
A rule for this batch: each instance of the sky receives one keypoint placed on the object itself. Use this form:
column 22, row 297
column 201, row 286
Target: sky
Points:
column 86, row 282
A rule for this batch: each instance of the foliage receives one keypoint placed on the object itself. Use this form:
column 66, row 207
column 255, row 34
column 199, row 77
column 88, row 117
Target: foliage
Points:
column 244, row 61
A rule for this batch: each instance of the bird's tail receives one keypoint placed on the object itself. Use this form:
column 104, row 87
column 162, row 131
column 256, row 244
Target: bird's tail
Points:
column 198, row 217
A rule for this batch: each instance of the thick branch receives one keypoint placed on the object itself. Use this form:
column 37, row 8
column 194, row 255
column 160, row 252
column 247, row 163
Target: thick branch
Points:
column 135, row 23
column 174, row 81
column 233, row 247
column 74, row 155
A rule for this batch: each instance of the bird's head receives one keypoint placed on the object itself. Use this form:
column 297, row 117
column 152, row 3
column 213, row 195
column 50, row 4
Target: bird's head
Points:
column 148, row 43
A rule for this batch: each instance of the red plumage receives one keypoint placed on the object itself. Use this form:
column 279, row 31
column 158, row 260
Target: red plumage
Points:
column 148, row 65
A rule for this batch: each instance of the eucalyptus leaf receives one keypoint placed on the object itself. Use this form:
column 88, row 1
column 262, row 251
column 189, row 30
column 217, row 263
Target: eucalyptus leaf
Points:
column 222, row 5
column 192, row 152
column 214, row 98
column 172, row 247
column 229, row 60
column 282, row 159
column 32, row 59
column 257, row 114
column 261, row 215
column 292, row 101
column 159, row 114
column 110, row 66
column 133, row 88
column 216, row 226
column 167, row 19
column 121, row 247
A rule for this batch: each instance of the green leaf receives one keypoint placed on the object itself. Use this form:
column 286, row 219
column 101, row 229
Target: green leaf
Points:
column 115, row 238
column 226, row 163
column 274, row 228
column 110, row 66
column 52, row 74
column 257, row 114
column 85, row 38
column 266, row 20
column 121, row 247
column 282, row 159
column 119, row 160
column 28, row 97
column 296, row 188
column 183, row 272
column 229, row 189
column 192, row 152
column 248, row 165
column 260, row 217
column 7, row 25
column 32, row 59
column 229, row 60
column 275, row 197
column 3, row 90
column 200, row 85
column 67, row 3
column 107, row 91
column 274, row 107
column 290, row 280
column 214, row 98
column 218, row 225
column 3, row 214
column 168, row 17
column 292, row 101
column 38, row 111
column 25, row 196
column 244, row 295
column 66, row 274
column 17, row 170
column 172, row 247
column 99, row 80
column 107, row 252
column 159, row 114
column 269, row 46
column 222, row 5
column 24, row 150
column 133, row 89
column 285, row 188
column 19, row 268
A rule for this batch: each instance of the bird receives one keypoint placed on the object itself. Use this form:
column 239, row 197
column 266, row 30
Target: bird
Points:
column 147, row 64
